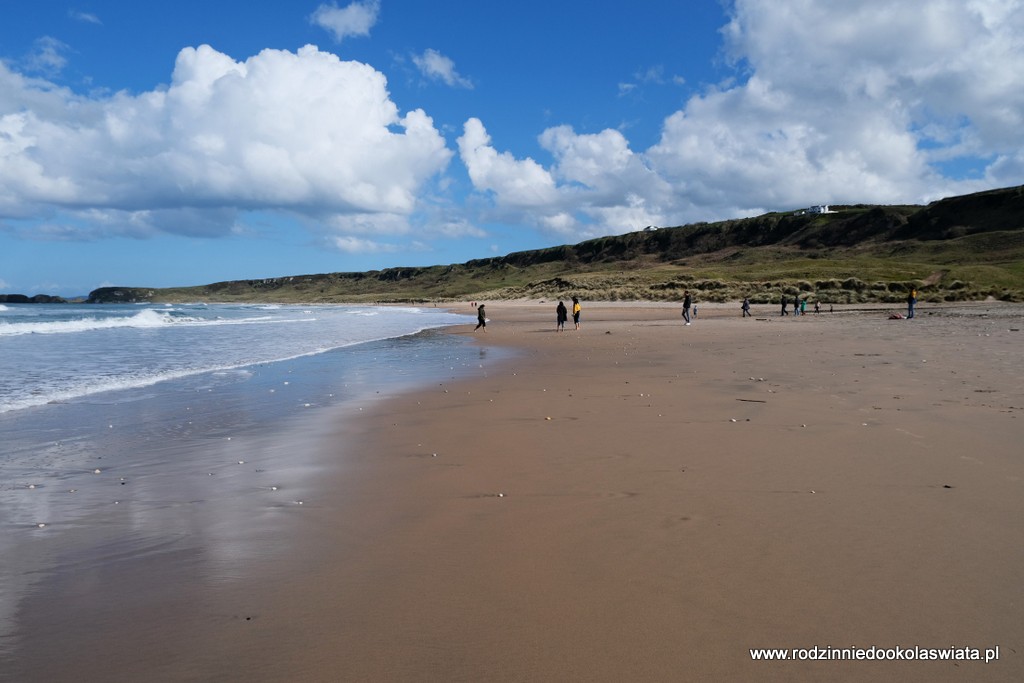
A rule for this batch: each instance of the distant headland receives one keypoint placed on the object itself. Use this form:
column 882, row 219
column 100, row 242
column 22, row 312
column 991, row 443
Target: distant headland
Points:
column 37, row 299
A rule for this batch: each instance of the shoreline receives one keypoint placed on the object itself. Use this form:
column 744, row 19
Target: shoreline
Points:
column 696, row 492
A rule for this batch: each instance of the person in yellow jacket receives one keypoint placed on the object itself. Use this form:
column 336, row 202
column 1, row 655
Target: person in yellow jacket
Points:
column 576, row 312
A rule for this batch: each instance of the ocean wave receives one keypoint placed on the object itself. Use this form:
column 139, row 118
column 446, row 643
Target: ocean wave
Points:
column 201, row 342
column 394, row 310
column 141, row 319
column 148, row 319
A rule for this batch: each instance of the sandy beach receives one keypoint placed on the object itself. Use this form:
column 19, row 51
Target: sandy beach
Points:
column 633, row 501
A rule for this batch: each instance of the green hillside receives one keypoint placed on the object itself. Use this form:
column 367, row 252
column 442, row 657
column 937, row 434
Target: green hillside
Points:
column 957, row 249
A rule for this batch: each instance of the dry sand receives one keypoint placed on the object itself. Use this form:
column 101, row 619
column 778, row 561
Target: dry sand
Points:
column 643, row 501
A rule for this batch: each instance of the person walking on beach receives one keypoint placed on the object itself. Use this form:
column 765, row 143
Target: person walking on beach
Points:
column 687, row 301
column 785, row 302
column 481, row 318
column 817, row 307
column 803, row 306
column 746, row 307
column 911, row 302
column 561, row 315
column 576, row 308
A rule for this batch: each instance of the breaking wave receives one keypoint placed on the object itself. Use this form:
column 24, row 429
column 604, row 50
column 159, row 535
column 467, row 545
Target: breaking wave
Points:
column 148, row 319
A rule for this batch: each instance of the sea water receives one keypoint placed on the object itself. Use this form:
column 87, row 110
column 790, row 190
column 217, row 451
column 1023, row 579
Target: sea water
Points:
column 84, row 386
column 53, row 353
column 131, row 430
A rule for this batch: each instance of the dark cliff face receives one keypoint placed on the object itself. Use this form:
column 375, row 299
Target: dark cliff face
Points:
column 994, row 210
column 37, row 299
column 954, row 217
column 119, row 295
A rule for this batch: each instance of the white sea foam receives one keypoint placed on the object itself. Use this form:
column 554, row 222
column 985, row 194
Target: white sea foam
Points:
column 148, row 319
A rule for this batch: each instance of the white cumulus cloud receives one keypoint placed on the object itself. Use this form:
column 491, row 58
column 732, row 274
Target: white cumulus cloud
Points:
column 303, row 132
column 853, row 102
column 355, row 19
column 521, row 183
column 595, row 186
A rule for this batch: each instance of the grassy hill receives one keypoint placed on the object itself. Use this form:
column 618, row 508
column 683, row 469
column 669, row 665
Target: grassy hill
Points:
column 957, row 249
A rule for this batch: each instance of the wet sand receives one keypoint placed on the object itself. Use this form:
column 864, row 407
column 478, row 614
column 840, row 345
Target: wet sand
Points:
column 637, row 500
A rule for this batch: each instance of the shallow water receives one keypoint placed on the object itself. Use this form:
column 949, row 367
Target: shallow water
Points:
column 210, row 465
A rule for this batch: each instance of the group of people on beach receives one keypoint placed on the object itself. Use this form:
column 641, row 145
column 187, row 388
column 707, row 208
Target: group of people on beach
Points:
column 689, row 310
column 562, row 314
column 799, row 305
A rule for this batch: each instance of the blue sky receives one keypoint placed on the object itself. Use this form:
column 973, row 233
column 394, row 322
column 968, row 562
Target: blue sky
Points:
column 165, row 144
